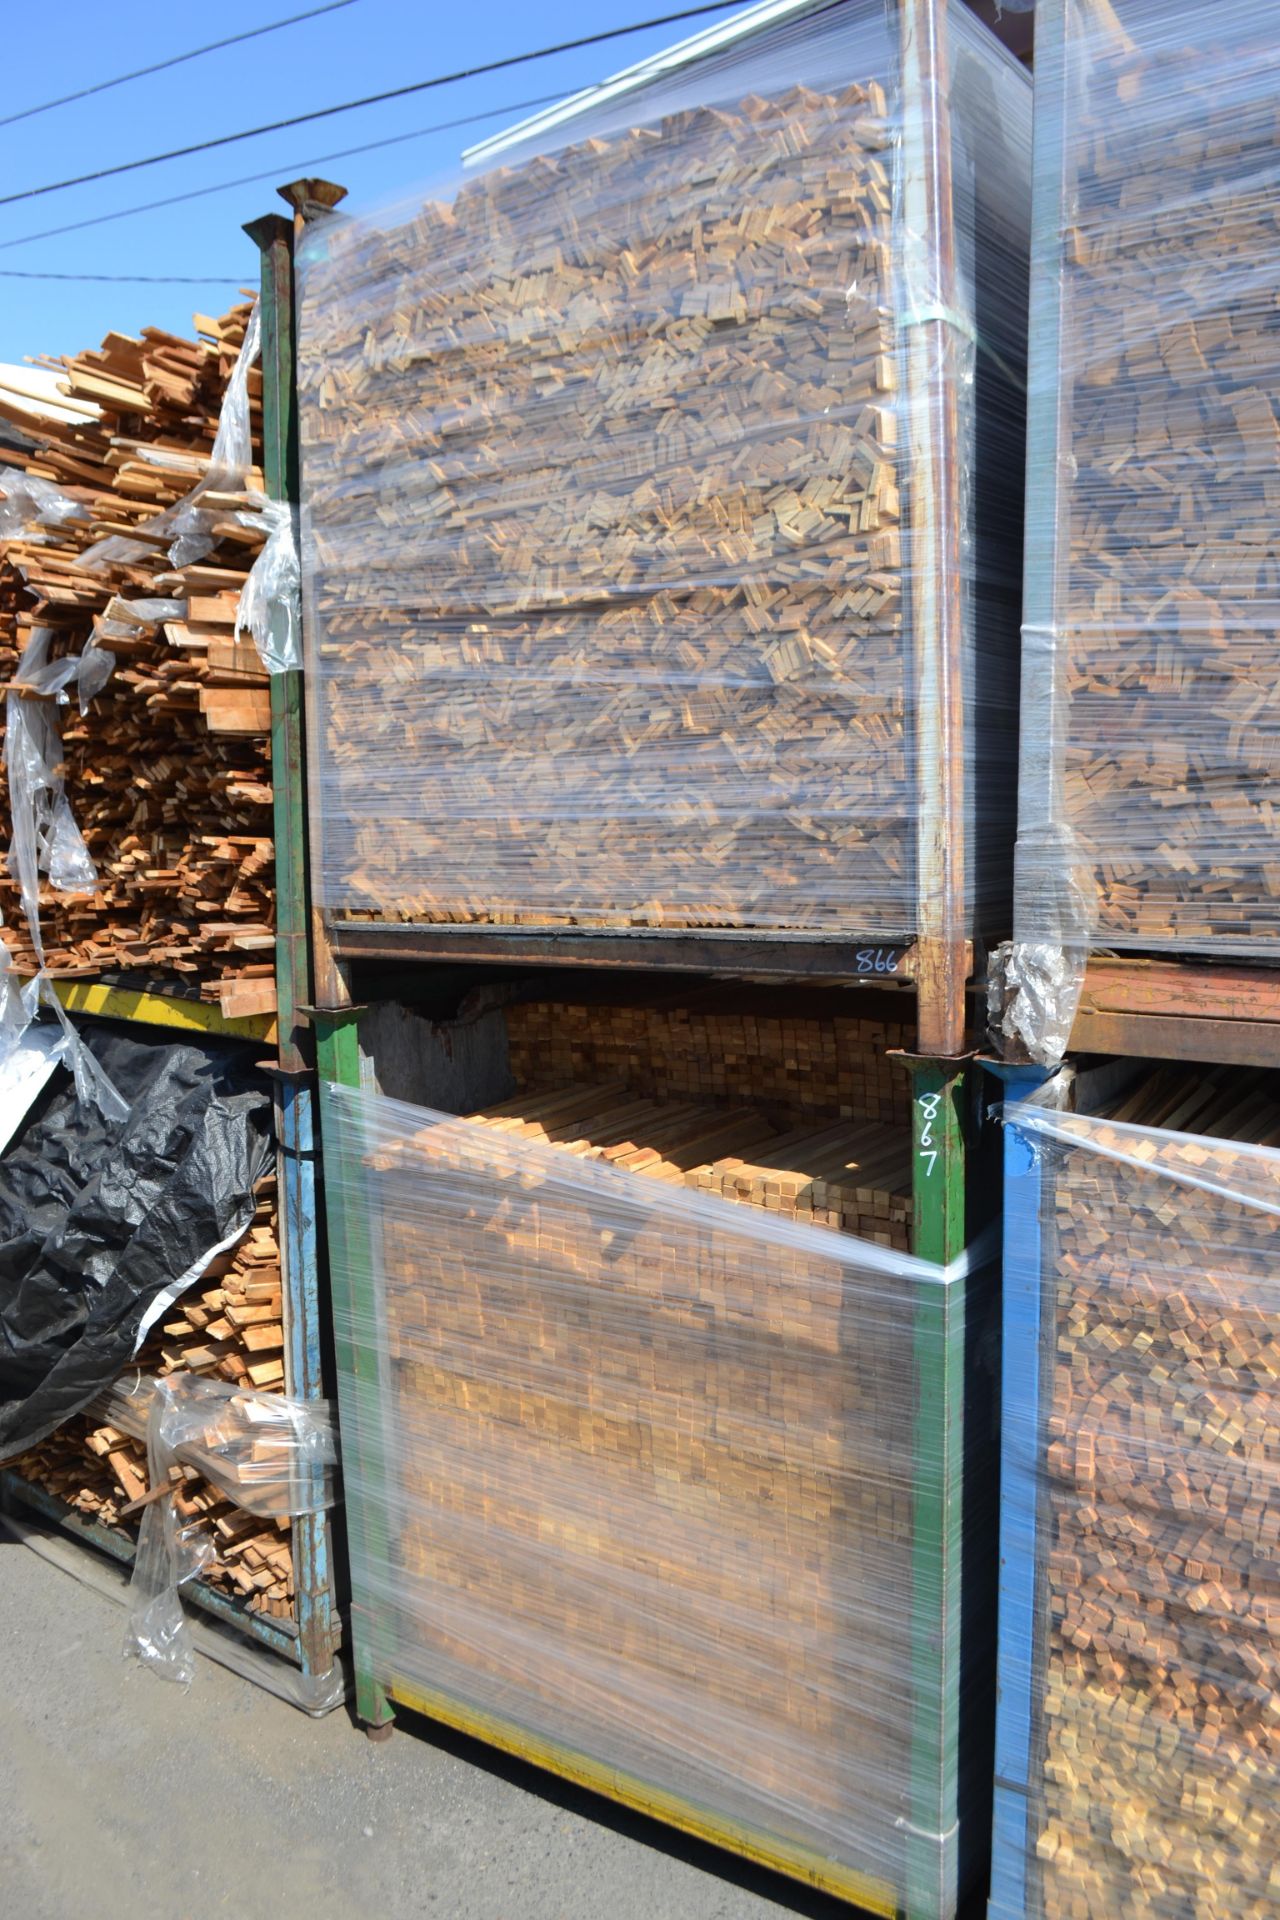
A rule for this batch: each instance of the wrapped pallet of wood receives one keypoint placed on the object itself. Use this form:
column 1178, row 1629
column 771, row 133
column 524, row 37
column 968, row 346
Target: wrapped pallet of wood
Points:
column 1150, row 775
column 639, row 1461
column 1138, row 1750
column 662, row 501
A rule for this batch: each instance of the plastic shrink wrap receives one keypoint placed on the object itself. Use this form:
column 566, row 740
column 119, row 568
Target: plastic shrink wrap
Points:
column 633, row 1477
column 1138, row 1750
column 1150, row 744
column 662, row 499
column 271, row 1456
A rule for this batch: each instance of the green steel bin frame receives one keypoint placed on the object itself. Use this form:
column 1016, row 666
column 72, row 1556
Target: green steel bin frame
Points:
column 952, row 1462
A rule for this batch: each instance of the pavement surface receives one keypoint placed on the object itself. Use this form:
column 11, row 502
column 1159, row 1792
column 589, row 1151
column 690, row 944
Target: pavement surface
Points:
column 125, row 1798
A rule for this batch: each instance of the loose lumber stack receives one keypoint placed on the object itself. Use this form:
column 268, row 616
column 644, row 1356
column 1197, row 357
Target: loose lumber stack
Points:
column 227, row 1328
column 605, row 472
column 1158, row 1776
column 1151, row 778
column 645, row 1457
column 169, row 773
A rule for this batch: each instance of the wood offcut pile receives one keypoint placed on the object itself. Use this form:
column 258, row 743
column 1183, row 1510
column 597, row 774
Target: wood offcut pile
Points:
column 1160, row 1745
column 169, row 774
column 651, row 1484
column 227, row 1328
column 1169, row 553
column 608, row 562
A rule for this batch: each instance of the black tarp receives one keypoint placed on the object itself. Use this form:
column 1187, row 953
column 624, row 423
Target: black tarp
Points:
column 99, row 1219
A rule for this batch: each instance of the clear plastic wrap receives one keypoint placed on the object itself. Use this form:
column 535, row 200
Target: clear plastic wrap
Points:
column 270, row 1455
column 661, row 488
column 273, row 589
column 1150, row 747
column 639, row 1472
column 1141, row 1494
column 27, row 503
column 45, row 837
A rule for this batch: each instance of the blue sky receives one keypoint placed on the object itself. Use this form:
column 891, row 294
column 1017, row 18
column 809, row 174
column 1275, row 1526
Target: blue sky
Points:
column 360, row 49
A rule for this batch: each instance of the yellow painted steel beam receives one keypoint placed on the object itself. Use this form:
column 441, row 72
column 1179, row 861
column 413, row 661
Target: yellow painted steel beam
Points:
column 798, row 1863
column 161, row 1010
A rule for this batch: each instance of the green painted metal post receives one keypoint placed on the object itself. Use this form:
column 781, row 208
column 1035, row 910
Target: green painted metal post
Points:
column 274, row 236
column 938, row 1105
column 361, row 1389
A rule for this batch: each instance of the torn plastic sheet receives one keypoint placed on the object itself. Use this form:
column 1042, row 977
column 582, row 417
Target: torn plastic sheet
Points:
column 274, row 584
column 27, row 501
column 268, row 1454
column 187, row 525
column 46, row 838
column 102, row 1212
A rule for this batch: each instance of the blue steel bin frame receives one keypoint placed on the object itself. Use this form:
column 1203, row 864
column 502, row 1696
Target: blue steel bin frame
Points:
column 1018, row 1623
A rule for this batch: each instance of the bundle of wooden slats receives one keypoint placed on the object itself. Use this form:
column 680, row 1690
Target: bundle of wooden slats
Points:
column 717, row 1044
column 1166, row 792
column 602, row 467
column 1159, row 1735
column 169, row 772
column 854, row 1176
column 228, row 1328
column 649, row 1487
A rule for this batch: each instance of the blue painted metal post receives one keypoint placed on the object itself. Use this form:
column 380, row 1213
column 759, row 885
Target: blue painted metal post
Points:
column 1020, row 1430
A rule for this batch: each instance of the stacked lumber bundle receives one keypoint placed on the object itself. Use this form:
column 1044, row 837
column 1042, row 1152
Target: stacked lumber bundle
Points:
column 647, row 1456
column 228, row 1328
column 854, row 1177
column 1159, row 1523
column 1156, row 825
column 169, row 772
column 607, row 462
column 719, row 1044
column 602, row 461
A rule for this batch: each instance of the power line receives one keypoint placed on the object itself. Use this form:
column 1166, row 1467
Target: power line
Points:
column 176, row 60
column 296, row 170
column 372, row 100
column 137, row 279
